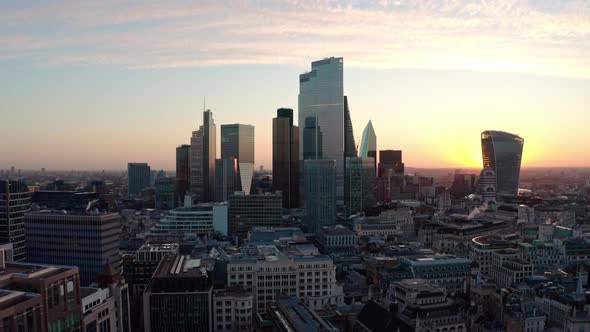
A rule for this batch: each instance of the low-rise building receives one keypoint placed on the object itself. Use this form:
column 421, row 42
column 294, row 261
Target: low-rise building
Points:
column 337, row 239
column 232, row 310
column 268, row 270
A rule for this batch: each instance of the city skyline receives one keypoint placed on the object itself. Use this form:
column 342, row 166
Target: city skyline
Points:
column 112, row 106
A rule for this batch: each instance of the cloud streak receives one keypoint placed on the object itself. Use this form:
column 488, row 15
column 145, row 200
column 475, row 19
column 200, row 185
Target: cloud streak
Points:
column 504, row 35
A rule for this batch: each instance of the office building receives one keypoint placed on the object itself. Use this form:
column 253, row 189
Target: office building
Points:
column 297, row 270
column 320, row 193
column 486, row 187
column 290, row 314
column 312, row 138
column 360, row 184
column 446, row 271
column 87, row 241
column 248, row 211
column 198, row 219
column 285, row 157
column 106, row 307
column 391, row 160
column 226, row 178
column 165, row 192
column 349, row 143
column 321, row 97
column 39, row 298
column 337, row 239
column 202, row 160
column 138, row 269
column 138, row 178
column 427, row 307
column 232, row 310
column 237, row 141
column 502, row 152
column 15, row 201
column 183, row 171
column 369, row 145
column 179, row 296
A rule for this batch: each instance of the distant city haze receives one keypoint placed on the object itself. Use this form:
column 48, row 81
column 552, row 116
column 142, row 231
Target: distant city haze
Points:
column 82, row 88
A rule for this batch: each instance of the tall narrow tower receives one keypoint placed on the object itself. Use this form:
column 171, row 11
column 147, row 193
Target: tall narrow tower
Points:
column 285, row 157
column 202, row 159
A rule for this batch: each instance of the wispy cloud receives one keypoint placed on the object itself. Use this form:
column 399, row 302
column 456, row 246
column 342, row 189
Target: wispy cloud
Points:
column 550, row 38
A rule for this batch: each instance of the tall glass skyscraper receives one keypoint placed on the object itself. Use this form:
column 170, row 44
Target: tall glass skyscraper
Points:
column 202, row 159
column 321, row 96
column 349, row 144
column 320, row 193
column 183, row 171
column 285, row 157
column 237, row 141
column 369, row 144
column 502, row 152
column 360, row 182
column 226, row 175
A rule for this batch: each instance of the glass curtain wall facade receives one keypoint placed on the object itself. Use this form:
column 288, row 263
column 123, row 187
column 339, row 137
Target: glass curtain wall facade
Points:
column 321, row 96
column 320, row 193
column 138, row 178
column 226, row 175
column 502, row 152
column 202, row 159
column 360, row 179
column 237, row 141
column 368, row 148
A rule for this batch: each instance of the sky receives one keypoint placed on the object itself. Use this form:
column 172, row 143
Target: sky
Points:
column 95, row 85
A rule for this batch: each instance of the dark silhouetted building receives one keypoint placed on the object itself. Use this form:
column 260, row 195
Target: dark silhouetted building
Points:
column 285, row 157
column 391, row 159
column 502, row 152
column 138, row 177
column 183, row 170
column 179, row 296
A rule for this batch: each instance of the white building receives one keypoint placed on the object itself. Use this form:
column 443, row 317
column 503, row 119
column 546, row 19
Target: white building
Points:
column 200, row 219
column 298, row 271
column 232, row 310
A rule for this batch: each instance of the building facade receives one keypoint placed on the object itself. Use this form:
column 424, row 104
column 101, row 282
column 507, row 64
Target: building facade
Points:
column 179, row 296
column 368, row 148
column 183, row 170
column 321, row 97
column 138, row 178
column 87, row 241
column 285, row 157
column 226, row 178
column 237, row 141
column 248, row 211
column 165, row 192
column 15, row 201
column 502, row 152
column 202, row 160
column 360, row 184
column 320, row 193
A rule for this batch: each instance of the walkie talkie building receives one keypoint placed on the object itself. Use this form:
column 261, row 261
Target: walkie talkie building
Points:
column 502, row 152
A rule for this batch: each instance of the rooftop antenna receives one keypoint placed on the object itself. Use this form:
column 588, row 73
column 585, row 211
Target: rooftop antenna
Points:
column 204, row 103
